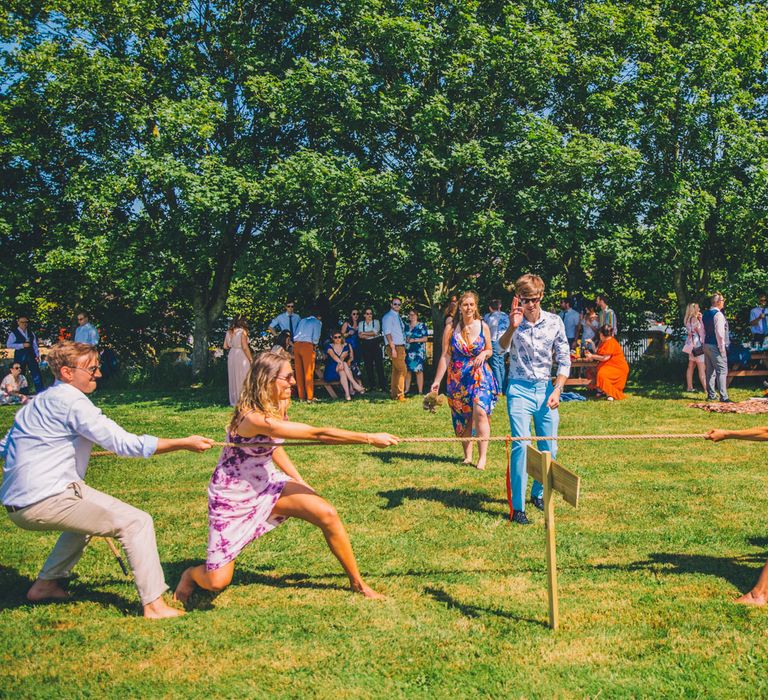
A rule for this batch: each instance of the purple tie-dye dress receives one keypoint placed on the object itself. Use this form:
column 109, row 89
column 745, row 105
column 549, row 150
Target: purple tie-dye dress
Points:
column 243, row 491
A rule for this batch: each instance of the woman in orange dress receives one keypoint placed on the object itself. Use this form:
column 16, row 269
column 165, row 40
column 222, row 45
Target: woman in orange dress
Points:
column 613, row 370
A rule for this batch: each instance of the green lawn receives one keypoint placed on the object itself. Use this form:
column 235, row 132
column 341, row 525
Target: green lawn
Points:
column 666, row 535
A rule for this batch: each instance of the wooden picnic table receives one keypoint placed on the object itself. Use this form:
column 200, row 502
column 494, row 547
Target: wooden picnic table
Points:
column 758, row 367
column 579, row 370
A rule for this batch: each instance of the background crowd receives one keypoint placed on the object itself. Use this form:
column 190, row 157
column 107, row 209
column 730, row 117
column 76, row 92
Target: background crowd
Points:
column 367, row 350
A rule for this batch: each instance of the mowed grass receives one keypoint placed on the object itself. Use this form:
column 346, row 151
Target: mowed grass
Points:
column 666, row 535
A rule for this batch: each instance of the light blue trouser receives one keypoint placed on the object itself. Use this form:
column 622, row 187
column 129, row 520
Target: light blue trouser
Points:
column 496, row 362
column 526, row 400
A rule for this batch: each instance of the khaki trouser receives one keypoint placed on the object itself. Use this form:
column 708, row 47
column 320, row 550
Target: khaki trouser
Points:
column 304, row 364
column 82, row 512
column 397, row 387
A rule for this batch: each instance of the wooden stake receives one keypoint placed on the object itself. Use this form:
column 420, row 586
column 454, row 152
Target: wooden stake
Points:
column 549, row 526
column 116, row 552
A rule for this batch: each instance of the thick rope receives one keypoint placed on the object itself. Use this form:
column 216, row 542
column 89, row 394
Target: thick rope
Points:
column 417, row 440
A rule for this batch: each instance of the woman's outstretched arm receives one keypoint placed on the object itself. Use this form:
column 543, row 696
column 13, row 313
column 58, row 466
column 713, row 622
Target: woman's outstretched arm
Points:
column 759, row 434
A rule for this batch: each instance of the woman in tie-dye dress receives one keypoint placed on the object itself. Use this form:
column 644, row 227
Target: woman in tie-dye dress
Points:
column 471, row 387
column 255, row 488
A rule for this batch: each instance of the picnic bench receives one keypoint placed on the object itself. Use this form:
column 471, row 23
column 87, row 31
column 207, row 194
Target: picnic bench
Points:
column 758, row 367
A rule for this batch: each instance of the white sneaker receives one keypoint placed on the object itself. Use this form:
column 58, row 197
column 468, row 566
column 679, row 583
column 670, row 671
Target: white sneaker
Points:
column 610, row 398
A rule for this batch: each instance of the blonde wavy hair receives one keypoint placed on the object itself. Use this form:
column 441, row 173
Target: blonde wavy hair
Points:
column 457, row 319
column 258, row 392
column 690, row 313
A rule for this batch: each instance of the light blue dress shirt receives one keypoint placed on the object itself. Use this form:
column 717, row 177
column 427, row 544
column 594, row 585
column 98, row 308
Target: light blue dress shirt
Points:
column 498, row 322
column 308, row 331
column 533, row 346
column 392, row 324
column 50, row 442
column 87, row 333
column 286, row 322
column 571, row 320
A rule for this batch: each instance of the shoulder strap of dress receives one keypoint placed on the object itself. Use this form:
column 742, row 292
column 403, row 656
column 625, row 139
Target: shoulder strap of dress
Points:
column 243, row 417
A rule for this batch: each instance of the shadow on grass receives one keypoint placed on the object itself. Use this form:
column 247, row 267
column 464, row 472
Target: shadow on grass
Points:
column 474, row 611
column 464, row 500
column 388, row 457
column 203, row 600
column 14, row 587
column 741, row 571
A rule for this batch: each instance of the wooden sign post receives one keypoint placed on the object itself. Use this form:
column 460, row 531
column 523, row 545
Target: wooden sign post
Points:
column 555, row 477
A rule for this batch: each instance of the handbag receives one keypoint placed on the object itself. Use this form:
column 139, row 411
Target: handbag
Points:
column 698, row 349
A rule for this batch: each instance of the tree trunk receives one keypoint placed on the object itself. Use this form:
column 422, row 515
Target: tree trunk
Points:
column 200, row 334
column 681, row 293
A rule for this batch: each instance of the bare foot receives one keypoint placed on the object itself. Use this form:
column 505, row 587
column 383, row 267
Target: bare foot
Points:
column 46, row 590
column 158, row 609
column 751, row 599
column 367, row 591
column 185, row 588
column 480, row 464
column 468, row 460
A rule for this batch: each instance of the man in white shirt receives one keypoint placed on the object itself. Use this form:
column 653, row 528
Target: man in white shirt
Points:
column 758, row 321
column 716, row 341
column 393, row 329
column 571, row 320
column 86, row 332
column 286, row 321
column 26, row 351
column 46, row 455
column 498, row 322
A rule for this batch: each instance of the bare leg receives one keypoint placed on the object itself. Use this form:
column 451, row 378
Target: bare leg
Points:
column 689, row 376
column 43, row 589
column 359, row 388
column 420, row 382
column 216, row 580
column 483, row 429
column 298, row 501
column 759, row 594
column 467, row 446
column 344, row 384
column 702, row 375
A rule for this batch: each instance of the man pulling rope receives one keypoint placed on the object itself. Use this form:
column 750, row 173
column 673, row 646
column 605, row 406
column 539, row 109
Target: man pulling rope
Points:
column 46, row 454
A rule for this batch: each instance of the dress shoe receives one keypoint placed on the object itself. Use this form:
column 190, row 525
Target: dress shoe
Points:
column 725, row 401
column 519, row 518
column 538, row 502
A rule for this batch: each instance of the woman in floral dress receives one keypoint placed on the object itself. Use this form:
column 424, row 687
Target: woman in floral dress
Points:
column 471, row 387
column 253, row 490
column 416, row 351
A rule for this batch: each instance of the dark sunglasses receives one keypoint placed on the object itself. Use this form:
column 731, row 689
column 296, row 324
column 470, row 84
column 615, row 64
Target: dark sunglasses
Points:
column 530, row 300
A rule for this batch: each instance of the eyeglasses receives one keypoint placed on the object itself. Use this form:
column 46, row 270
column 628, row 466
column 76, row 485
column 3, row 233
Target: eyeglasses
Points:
column 395, row 303
column 336, row 337
column 530, row 300
column 16, row 367
column 289, row 306
column 287, row 377
column 81, row 318
column 91, row 370
column 355, row 313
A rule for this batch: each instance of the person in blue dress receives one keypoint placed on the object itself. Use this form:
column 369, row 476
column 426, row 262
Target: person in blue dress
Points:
column 471, row 388
column 415, row 351
column 338, row 355
column 349, row 330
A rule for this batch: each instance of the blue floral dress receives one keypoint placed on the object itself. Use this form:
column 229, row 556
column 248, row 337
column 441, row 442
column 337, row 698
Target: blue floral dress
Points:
column 416, row 353
column 468, row 386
